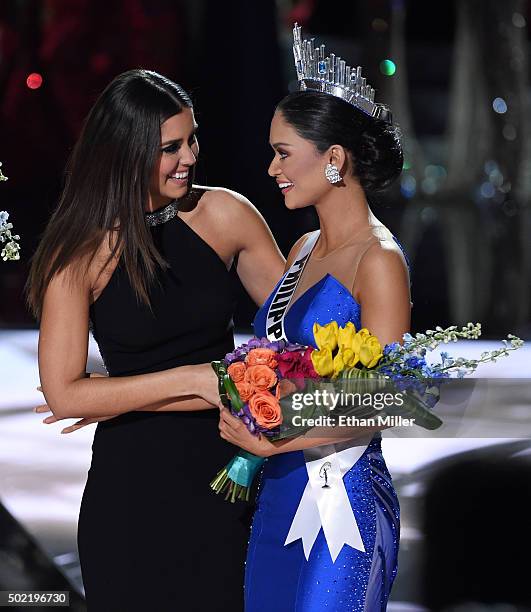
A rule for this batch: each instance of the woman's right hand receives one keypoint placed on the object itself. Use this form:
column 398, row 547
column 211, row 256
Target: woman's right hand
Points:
column 78, row 424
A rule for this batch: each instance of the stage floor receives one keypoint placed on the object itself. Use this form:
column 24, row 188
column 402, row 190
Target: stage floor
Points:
column 42, row 473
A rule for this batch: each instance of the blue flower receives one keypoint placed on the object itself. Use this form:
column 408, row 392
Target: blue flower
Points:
column 387, row 370
column 415, row 363
column 427, row 371
column 390, row 349
column 436, row 373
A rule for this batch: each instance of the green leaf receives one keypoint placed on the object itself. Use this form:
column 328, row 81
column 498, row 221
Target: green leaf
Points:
column 221, row 370
column 232, row 393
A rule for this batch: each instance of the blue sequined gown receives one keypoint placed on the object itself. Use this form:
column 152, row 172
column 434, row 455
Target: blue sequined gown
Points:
column 279, row 578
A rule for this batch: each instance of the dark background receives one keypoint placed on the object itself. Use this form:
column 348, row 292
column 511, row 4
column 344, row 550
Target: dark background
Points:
column 461, row 209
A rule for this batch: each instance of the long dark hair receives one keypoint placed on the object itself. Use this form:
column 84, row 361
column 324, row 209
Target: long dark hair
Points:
column 326, row 120
column 107, row 185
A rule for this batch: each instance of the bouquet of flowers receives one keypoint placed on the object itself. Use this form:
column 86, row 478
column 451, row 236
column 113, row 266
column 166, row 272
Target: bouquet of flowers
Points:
column 10, row 247
column 258, row 378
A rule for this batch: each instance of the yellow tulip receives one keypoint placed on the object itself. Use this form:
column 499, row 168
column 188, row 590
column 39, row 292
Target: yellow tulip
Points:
column 322, row 362
column 326, row 335
column 365, row 333
column 370, row 352
column 338, row 364
column 344, row 359
column 345, row 336
column 358, row 339
column 350, row 358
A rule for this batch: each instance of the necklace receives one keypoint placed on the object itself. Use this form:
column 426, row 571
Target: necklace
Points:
column 163, row 214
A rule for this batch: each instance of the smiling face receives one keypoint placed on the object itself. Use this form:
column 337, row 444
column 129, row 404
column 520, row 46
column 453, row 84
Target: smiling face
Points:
column 297, row 167
column 172, row 176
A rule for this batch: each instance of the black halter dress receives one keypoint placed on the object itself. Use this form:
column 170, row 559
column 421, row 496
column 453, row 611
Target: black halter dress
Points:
column 152, row 536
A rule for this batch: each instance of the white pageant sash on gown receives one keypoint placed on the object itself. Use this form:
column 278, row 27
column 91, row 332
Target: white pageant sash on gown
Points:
column 325, row 502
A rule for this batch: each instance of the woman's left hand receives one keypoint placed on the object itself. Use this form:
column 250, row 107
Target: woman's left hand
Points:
column 235, row 432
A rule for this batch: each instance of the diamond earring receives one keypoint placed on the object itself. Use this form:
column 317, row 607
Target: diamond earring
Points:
column 332, row 174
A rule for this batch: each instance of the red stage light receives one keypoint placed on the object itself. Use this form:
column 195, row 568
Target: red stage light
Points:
column 34, row 80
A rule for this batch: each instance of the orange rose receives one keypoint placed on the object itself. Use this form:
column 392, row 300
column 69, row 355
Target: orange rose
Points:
column 261, row 357
column 245, row 389
column 261, row 377
column 236, row 371
column 285, row 387
column 265, row 409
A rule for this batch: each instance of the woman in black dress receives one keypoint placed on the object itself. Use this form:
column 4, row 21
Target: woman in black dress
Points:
column 143, row 256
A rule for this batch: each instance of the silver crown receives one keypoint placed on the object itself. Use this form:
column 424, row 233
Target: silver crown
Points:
column 332, row 75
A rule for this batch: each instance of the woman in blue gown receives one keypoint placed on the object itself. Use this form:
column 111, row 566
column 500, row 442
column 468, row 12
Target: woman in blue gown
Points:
column 329, row 154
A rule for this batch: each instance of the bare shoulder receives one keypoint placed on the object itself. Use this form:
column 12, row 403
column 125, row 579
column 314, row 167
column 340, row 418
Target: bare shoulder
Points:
column 87, row 274
column 231, row 214
column 227, row 205
column 383, row 258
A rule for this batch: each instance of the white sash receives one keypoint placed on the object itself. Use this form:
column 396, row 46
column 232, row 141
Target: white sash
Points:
column 282, row 298
column 325, row 502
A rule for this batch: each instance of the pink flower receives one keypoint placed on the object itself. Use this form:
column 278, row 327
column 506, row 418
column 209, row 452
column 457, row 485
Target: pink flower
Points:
column 295, row 364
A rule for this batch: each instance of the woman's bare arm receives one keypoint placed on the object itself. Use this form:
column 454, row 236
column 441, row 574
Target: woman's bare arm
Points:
column 70, row 395
column 260, row 263
column 382, row 289
column 63, row 345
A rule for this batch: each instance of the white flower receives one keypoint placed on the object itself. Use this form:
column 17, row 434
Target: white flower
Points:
column 11, row 250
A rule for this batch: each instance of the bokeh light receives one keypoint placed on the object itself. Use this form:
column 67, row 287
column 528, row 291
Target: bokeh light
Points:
column 436, row 172
column 509, row 131
column 487, row 190
column 387, row 67
column 490, row 166
column 519, row 20
column 429, row 185
column 408, row 186
column 34, row 80
column 499, row 105
column 496, row 177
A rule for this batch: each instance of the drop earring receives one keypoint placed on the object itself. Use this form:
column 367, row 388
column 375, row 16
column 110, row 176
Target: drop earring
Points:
column 332, row 174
